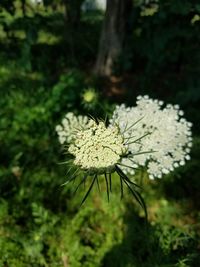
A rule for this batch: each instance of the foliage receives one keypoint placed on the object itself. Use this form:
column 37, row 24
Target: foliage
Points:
column 42, row 78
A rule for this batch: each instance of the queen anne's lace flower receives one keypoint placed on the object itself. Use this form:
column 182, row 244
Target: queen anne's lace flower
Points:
column 169, row 135
column 97, row 148
column 69, row 126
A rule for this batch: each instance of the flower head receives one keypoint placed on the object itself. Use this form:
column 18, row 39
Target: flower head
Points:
column 165, row 132
column 98, row 147
column 98, row 151
column 90, row 98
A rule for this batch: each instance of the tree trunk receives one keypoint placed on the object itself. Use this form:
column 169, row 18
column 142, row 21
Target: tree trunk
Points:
column 23, row 2
column 73, row 12
column 113, row 35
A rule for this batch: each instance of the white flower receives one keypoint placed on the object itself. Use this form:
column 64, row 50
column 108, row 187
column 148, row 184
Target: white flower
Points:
column 98, row 151
column 170, row 135
column 97, row 148
column 69, row 126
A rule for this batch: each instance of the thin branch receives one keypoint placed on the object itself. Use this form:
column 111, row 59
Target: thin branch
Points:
column 139, row 198
column 107, row 187
column 140, row 153
column 110, row 182
column 121, row 173
column 138, row 139
column 122, row 189
column 121, row 164
column 73, row 177
column 98, row 186
column 130, row 158
column 65, row 162
column 134, row 124
column 82, row 181
column 90, row 188
column 125, row 127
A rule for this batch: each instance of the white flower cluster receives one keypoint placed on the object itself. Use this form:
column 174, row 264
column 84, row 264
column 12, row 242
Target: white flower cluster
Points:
column 69, row 126
column 169, row 136
column 97, row 147
column 161, row 132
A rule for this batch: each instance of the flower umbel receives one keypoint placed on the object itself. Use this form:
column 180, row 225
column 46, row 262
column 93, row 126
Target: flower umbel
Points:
column 89, row 98
column 98, row 151
column 148, row 135
column 69, row 126
column 98, row 148
column 170, row 136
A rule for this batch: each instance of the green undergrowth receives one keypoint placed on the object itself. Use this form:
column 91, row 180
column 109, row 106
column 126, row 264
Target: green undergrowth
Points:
column 42, row 222
column 41, row 79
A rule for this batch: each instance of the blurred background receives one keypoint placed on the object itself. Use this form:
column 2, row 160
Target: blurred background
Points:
column 86, row 56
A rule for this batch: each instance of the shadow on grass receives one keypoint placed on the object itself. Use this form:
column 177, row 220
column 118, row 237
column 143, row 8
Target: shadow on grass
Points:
column 184, row 185
column 169, row 240
column 152, row 245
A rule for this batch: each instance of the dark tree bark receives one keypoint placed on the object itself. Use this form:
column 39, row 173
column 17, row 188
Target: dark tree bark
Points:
column 73, row 12
column 23, row 7
column 72, row 20
column 113, row 35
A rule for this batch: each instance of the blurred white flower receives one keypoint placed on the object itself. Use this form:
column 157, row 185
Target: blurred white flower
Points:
column 69, row 126
column 164, row 132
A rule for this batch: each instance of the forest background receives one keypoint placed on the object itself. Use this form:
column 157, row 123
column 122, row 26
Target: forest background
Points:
column 52, row 53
